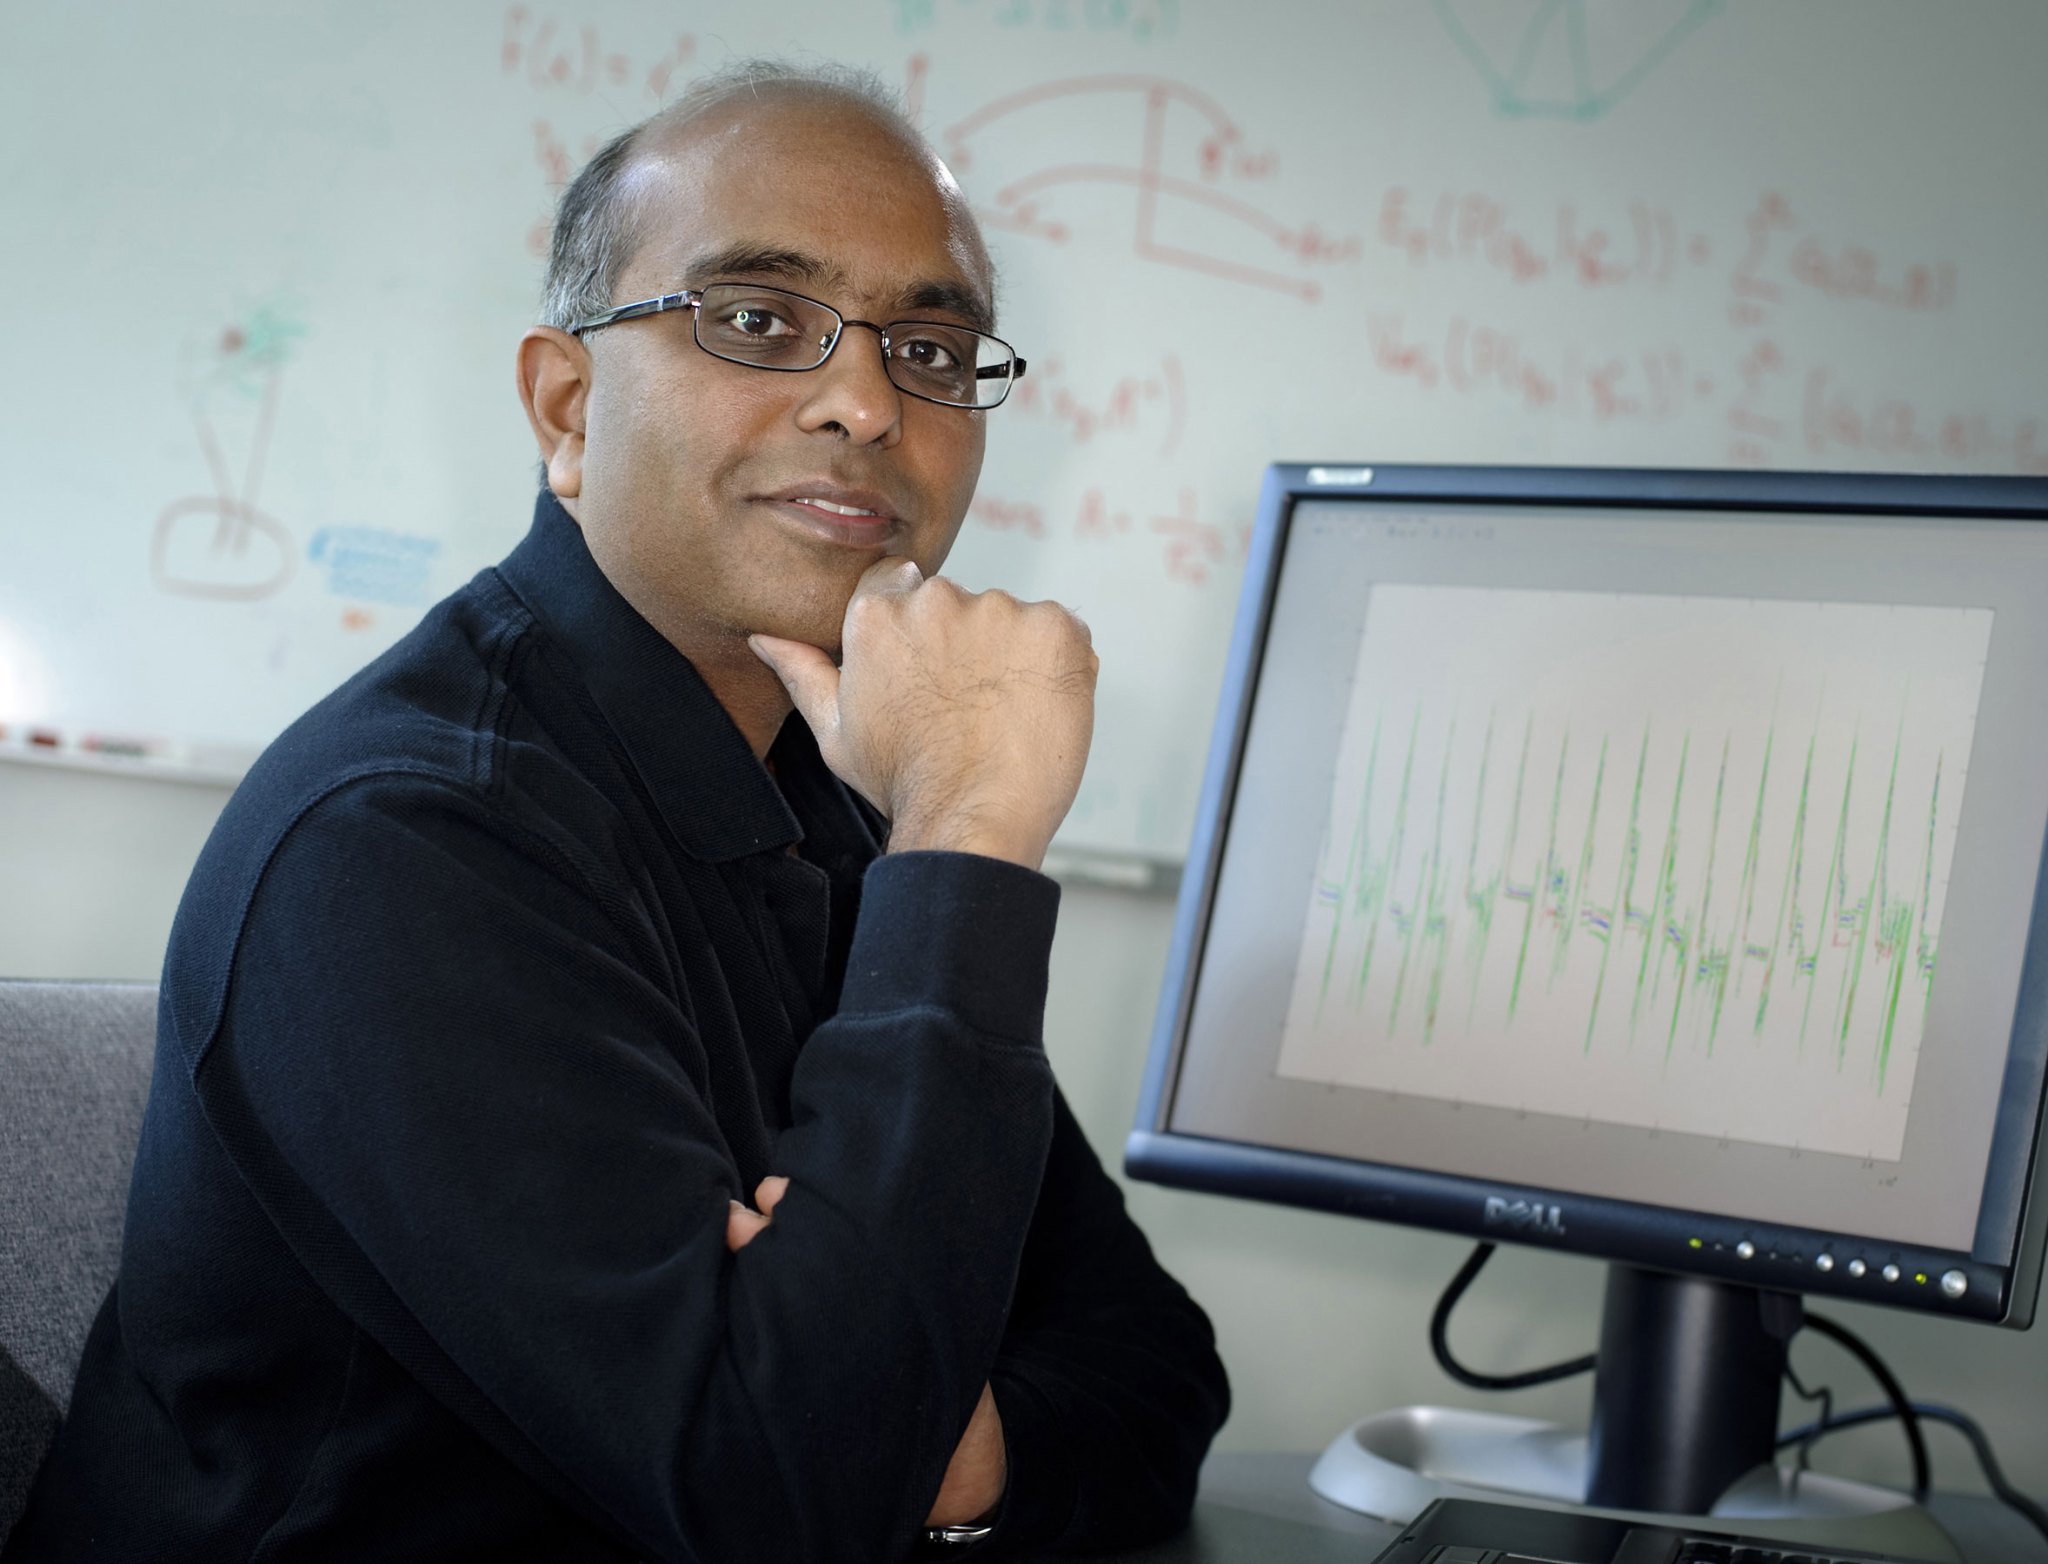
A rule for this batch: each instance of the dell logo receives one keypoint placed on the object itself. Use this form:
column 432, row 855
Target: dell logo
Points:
column 1525, row 1216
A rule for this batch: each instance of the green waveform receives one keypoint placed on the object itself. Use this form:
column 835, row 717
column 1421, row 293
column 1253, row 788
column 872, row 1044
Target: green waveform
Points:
column 1703, row 946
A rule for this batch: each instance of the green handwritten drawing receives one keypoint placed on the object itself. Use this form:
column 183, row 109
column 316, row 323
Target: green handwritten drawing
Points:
column 1568, row 59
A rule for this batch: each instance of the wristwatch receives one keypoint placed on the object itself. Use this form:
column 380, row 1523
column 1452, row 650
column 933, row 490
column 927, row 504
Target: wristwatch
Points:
column 955, row 1536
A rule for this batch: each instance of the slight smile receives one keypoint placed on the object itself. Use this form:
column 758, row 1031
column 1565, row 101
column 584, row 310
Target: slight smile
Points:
column 856, row 522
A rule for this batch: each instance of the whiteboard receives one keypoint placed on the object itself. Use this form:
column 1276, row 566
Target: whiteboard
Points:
column 264, row 265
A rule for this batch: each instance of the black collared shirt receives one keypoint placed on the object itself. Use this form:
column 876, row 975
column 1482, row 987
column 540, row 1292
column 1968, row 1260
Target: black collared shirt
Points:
column 503, row 971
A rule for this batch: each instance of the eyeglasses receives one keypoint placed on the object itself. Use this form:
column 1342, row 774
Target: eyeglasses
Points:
column 766, row 328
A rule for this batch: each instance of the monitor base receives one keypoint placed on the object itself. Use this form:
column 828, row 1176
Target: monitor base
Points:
column 1393, row 1464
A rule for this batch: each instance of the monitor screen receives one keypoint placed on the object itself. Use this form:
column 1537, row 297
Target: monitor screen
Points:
column 1641, row 864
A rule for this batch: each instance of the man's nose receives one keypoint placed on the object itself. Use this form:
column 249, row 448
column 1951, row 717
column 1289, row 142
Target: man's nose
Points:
column 852, row 391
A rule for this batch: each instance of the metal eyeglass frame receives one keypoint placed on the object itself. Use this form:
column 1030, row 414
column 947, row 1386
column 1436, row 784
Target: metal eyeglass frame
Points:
column 690, row 298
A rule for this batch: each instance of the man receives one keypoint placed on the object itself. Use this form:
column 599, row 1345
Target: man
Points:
column 572, row 1136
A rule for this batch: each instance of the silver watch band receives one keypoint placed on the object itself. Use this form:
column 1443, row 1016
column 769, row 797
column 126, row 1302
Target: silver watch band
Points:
column 956, row 1535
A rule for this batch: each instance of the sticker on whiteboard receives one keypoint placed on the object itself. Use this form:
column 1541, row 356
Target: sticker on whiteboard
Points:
column 375, row 566
column 1346, row 476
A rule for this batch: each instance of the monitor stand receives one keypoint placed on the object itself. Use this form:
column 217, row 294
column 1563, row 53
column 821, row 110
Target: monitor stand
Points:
column 1685, row 1407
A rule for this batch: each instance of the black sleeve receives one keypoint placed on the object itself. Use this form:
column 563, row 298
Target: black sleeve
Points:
column 448, row 1075
column 1108, row 1383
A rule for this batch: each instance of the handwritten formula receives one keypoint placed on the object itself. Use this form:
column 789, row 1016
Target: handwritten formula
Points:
column 1775, row 273
column 558, row 54
column 1154, row 403
column 555, row 57
column 1588, row 309
column 1191, row 547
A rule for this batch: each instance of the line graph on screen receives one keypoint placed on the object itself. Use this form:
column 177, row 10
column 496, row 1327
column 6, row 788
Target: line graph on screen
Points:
column 1641, row 858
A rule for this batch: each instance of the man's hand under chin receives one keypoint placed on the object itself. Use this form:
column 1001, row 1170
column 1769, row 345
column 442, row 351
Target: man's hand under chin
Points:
column 964, row 717
column 980, row 1467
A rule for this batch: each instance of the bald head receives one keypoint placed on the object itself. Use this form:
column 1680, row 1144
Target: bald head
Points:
column 766, row 83
column 757, row 110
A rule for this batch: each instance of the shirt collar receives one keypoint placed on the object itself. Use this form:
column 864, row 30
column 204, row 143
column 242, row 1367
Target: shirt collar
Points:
column 716, row 797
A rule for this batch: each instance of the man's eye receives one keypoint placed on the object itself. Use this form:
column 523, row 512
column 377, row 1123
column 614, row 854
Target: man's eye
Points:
column 756, row 320
column 940, row 354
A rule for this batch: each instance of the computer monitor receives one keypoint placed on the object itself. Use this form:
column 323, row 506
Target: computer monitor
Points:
column 1645, row 865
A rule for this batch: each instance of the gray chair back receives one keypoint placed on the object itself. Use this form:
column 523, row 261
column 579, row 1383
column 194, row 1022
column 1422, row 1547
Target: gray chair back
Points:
column 74, row 1074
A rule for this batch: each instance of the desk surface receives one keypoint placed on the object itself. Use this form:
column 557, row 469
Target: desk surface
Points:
column 1257, row 1508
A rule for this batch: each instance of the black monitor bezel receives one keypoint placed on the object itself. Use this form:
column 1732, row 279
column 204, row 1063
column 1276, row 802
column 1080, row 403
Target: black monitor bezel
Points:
column 2002, row 1271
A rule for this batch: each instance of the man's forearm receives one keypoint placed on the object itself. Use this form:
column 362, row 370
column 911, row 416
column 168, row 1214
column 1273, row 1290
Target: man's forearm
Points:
column 1108, row 1381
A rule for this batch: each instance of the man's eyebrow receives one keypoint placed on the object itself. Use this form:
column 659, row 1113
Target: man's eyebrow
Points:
column 953, row 297
column 757, row 260
column 809, row 271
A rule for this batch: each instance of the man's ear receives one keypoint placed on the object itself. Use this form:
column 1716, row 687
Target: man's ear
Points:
column 554, row 383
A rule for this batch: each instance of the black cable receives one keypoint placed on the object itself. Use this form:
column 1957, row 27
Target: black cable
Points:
column 1894, row 1393
column 1994, row 1476
column 1440, row 1338
column 1819, row 1426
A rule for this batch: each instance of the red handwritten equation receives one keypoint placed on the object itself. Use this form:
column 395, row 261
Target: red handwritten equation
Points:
column 1777, row 272
column 1781, row 408
column 1184, row 158
column 1134, row 404
column 1643, row 243
column 1191, row 547
column 1774, row 266
column 1473, row 358
column 549, row 55
column 556, row 59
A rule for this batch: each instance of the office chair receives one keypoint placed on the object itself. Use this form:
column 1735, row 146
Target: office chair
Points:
column 74, row 1073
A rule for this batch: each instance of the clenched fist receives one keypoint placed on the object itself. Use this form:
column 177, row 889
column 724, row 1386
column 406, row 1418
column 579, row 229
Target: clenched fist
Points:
column 964, row 717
